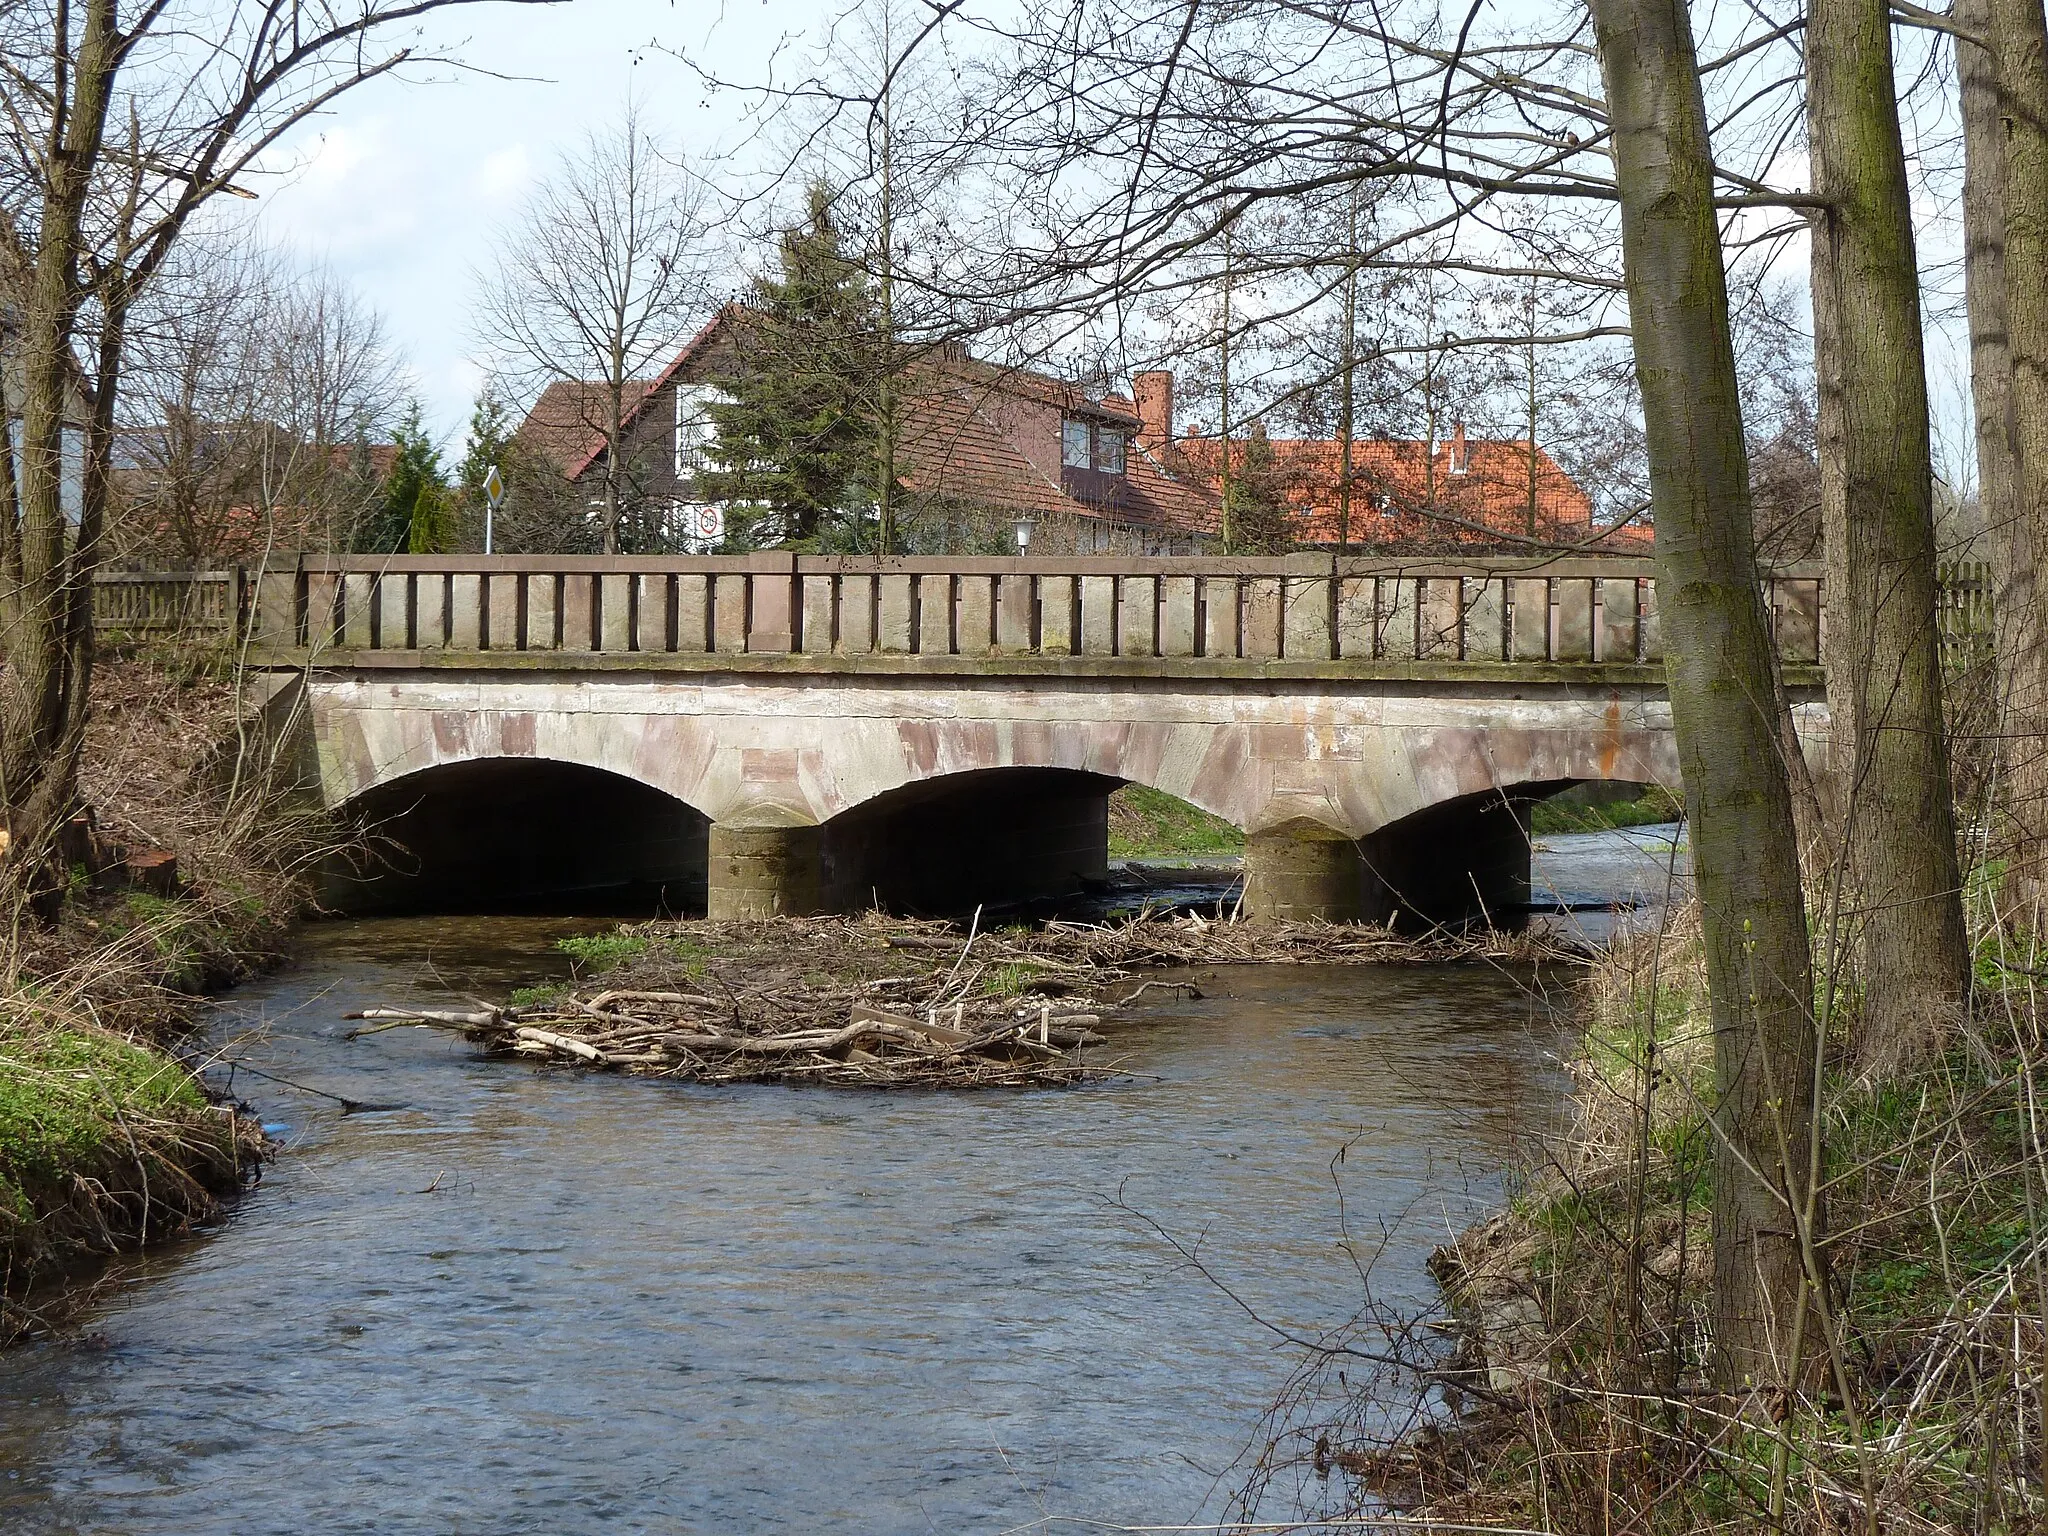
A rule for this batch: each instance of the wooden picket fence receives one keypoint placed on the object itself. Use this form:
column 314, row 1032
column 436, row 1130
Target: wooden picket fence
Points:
column 168, row 602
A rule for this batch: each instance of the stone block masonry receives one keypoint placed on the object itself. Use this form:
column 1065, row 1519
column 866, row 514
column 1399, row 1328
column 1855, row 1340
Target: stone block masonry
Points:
column 926, row 734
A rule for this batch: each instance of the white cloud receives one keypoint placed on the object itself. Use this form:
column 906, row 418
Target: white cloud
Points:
column 401, row 186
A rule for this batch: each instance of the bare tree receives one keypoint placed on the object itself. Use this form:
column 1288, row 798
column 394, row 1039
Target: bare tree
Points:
column 119, row 129
column 2002, row 58
column 1877, row 515
column 250, row 397
column 598, row 283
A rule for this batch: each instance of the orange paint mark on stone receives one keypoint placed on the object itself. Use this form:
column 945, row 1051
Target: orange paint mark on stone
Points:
column 1610, row 738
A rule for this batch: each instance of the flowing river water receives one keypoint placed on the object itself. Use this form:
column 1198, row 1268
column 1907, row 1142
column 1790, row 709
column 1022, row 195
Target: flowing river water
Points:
column 507, row 1301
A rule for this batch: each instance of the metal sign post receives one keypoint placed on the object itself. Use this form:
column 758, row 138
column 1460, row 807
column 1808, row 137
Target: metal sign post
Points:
column 494, row 494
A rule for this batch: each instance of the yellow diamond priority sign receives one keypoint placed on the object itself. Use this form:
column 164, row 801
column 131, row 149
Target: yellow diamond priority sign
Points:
column 494, row 486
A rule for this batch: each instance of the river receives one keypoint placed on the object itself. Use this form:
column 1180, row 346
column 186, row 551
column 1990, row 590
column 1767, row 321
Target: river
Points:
column 508, row 1301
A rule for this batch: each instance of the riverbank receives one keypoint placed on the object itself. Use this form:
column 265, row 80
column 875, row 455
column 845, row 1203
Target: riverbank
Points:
column 1566, row 1381
column 186, row 882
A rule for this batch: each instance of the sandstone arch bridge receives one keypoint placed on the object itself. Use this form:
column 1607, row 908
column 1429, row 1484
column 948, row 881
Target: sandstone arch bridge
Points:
column 796, row 734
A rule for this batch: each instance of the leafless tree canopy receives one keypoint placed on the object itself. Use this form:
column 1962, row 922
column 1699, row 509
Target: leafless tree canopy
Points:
column 598, row 283
column 251, row 394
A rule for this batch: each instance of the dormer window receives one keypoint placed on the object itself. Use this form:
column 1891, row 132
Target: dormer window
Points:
column 1074, row 444
column 1091, row 445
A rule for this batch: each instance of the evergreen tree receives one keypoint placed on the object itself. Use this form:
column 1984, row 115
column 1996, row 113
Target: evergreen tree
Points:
column 416, row 512
column 796, row 418
column 1261, row 520
column 491, row 427
column 490, row 436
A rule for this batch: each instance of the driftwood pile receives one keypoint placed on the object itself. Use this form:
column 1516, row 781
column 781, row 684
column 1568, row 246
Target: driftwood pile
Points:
column 691, row 1036
column 881, row 1002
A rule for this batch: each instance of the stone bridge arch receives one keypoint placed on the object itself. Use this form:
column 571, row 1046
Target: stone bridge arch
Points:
column 499, row 832
column 1325, row 776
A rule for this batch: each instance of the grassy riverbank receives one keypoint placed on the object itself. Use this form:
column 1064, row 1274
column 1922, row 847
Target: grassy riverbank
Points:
column 1589, row 809
column 107, row 1138
column 1581, row 1396
column 1149, row 823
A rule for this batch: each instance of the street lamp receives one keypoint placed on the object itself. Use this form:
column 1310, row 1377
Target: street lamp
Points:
column 1023, row 527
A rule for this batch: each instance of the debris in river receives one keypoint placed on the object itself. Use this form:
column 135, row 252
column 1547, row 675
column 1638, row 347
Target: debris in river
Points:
column 674, row 1035
column 888, row 1002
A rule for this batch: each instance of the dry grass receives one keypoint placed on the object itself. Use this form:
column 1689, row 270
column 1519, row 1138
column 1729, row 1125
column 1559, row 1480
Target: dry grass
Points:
column 107, row 1138
column 1565, row 1385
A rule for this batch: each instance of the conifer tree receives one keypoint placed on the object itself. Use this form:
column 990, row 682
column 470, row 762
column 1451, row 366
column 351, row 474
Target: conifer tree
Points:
column 416, row 513
column 796, row 411
column 1260, row 518
column 490, row 439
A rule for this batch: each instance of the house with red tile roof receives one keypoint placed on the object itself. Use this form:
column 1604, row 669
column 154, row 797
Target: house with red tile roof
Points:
column 1466, row 495
column 980, row 447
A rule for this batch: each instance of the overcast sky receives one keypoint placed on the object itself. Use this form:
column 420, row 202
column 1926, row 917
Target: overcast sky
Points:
column 399, row 189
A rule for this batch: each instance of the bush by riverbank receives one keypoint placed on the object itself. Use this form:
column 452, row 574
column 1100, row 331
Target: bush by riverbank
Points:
column 188, row 881
column 1572, row 1366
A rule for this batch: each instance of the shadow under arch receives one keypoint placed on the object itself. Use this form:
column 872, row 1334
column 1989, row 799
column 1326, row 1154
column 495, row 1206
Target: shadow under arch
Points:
column 1455, row 861
column 517, row 833
column 984, row 836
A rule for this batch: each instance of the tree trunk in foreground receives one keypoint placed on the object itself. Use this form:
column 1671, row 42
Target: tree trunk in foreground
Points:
column 45, row 610
column 1877, row 515
column 2005, row 222
column 1719, row 670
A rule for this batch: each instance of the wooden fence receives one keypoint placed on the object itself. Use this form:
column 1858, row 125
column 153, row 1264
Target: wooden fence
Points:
column 160, row 602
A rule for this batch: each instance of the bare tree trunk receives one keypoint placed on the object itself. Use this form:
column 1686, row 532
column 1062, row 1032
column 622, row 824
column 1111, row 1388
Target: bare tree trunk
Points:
column 1719, row 670
column 1877, row 509
column 47, row 664
column 2005, row 213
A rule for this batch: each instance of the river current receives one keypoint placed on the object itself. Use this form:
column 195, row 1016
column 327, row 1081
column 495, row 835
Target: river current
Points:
column 498, row 1300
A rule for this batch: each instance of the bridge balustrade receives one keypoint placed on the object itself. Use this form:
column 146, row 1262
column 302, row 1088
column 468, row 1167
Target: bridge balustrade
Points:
column 1238, row 613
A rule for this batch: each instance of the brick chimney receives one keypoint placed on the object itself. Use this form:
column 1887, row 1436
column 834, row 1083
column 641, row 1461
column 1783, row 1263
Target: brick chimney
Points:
column 1458, row 465
column 1152, row 393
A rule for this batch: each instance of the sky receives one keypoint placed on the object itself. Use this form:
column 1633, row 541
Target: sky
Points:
column 400, row 189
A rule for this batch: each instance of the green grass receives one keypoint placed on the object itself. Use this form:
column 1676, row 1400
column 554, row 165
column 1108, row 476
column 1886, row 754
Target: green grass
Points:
column 63, row 1097
column 1658, row 805
column 609, row 951
column 1146, row 821
column 603, row 951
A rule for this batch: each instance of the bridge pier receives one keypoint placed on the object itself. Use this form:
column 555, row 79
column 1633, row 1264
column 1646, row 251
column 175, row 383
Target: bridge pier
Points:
column 1464, row 859
column 763, row 872
column 1304, row 869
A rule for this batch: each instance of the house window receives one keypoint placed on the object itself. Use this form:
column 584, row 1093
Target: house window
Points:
column 694, row 429
column 1074, row 445
column 1084, row 445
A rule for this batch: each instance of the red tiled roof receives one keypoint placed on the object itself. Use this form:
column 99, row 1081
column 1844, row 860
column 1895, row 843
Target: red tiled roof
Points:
column 992, row 435
column 967, row 429
column 566, row 424
column 1406, row 494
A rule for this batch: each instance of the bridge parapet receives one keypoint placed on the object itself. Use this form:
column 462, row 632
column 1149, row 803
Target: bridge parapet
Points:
column 1312, row 613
